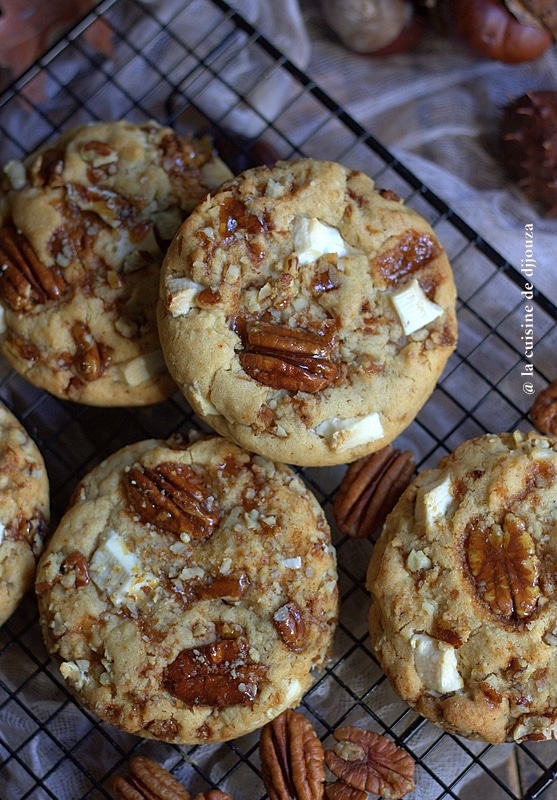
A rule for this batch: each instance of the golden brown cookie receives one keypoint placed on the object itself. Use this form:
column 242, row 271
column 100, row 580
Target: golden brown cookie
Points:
column 190, row 590
column 24, row 511
column 304, row 314
column 85, row 223
column 464, row 590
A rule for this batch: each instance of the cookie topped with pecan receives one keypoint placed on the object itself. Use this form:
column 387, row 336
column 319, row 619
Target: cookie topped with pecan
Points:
column 24, row 511
column 305, row 314
column 190, row 590
column 464, row 591
column 84, row 225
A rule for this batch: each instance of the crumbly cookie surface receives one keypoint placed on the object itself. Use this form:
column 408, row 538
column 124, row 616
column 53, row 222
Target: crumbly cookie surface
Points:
column 85, row 224
column 189, row 591
column 304, row 314
column 24, row 511
column 464, row 592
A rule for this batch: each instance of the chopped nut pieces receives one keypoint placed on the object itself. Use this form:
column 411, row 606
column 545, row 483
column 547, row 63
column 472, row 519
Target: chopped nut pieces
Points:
column 544, row 411
column 147, row 780
column 370, row 489
column 287, row 358
column 367, row 761
column 291, row 758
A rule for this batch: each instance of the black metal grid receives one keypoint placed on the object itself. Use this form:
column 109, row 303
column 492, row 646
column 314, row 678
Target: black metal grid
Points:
column 50, row 747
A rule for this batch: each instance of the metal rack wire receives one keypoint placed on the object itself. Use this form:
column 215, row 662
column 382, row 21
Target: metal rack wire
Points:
column 50, row 747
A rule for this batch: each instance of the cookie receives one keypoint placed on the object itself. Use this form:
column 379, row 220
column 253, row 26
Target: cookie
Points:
column 85, row 223
column 464, row 590
column 189, row 591
column 24, row 511
column 304, row 314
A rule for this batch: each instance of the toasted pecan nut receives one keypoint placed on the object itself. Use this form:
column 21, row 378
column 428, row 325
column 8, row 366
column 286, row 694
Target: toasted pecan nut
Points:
column 218, row 674
column 147, row 780
column 24, row 280
column 291, row 627
column 367, row 761
column 338, row 790
column 213, row 794
column 544, row 410
column 370, row 489
column 503, row 561
column 174, row 498
column 291, row 758
column 286, row 358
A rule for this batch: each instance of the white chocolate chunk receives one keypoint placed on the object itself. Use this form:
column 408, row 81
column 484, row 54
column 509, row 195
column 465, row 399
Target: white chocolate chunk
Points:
column 75, row 672
column 418, row 560
column 343, row 434
column 436, row 664
column 313, row 239
column 118, row 571
column 414, row 309
column 181, row 295
column 434, row 501
column 15, row 170
column 144, row 367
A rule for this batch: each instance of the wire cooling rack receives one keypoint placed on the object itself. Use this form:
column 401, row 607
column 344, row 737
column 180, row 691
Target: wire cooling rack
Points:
column 203, row 68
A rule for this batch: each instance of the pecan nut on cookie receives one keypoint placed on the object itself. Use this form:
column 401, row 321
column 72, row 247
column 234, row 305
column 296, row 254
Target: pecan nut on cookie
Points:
column 84, row 224
column 464, row 593
column 305, row 314
column 24, row 511
column 190, row 591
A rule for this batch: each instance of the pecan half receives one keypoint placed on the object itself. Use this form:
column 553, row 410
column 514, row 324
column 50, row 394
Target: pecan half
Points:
column 291, row 753
column 370, row 489
column 24, row 280
column 287, row 358
column 219, row 674
column 338, row 790
column 89, row 360
column 544, row 410
column 412, row 252
column 147, row 780
column 291, row 627
column 505, row 567
column 367, row 761
column 174, row 498
column 213, row 794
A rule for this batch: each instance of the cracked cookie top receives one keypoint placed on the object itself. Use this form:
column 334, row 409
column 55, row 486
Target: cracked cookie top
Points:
column 305, row 314
column 189, row 591
column 85, row 222
column 464, row 592
column 24, row 511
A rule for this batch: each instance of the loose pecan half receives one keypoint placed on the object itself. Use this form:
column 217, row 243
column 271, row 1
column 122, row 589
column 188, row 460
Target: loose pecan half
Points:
column 370, row 489
column 338, row 790
column 506, row 570
column 219, row 674
column 25, row 281
column 213, row 794
column 367, row 761
column 291, row 753
column 544, row 410
column 147, row 780
column 289, row 358
column 174, row 498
